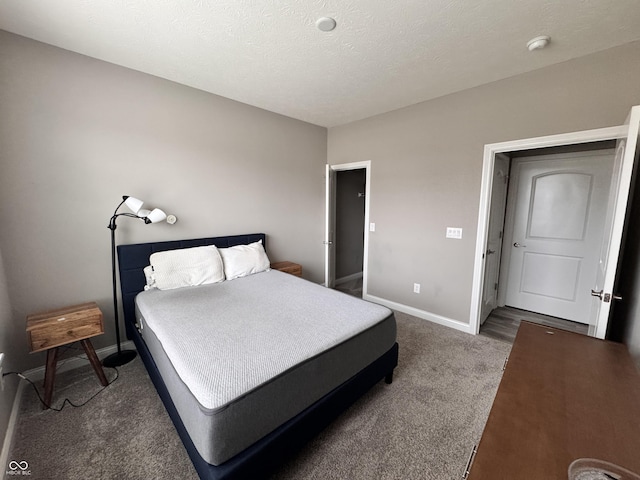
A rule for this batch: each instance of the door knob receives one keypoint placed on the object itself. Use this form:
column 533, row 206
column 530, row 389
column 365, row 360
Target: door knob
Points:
column 616, row 297
column 597, row 294
column 516, row 244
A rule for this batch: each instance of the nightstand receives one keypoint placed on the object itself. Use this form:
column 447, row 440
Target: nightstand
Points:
column 288, row 267
column 52, row 329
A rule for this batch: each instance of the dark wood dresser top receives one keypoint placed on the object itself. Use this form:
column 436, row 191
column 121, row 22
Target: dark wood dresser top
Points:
column 563, row 396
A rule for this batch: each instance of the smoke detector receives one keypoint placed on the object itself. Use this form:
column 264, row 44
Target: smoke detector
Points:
column 538, row 43
column 326, row 24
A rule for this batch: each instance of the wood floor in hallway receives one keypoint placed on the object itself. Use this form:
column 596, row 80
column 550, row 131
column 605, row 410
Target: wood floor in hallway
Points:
column 503, row 323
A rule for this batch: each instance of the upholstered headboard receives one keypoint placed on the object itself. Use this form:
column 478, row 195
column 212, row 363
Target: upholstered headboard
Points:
column 133, row 258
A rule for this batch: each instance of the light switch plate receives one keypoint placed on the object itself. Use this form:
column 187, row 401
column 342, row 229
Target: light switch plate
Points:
column 372, row 227
column 454, row 232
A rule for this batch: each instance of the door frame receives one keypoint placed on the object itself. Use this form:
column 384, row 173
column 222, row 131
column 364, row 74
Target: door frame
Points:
column 488, row 164
column 329, row 221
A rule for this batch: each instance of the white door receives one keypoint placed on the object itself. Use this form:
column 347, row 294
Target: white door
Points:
column 494, row 237
column 627, row 153
column 558, row 220
column 330, row 228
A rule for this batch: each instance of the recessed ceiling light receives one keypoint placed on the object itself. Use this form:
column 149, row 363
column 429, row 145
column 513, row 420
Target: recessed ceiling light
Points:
column 326, row 24
column 538, row 42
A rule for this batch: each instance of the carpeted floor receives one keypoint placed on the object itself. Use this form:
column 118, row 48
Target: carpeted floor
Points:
column 423, row 426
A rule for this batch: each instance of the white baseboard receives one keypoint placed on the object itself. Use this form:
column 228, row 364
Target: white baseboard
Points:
column 348, row 278
column 37, row 374
column 11, row 427
column 432, row 317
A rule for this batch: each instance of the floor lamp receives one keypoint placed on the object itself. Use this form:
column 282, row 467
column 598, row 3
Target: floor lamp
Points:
column 156, row 215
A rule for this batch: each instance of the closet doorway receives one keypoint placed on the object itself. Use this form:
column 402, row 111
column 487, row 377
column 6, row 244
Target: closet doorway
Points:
column 546, row 227
column 346, row 237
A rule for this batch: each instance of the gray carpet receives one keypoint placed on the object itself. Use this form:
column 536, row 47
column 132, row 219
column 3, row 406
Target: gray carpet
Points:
column 423, row 426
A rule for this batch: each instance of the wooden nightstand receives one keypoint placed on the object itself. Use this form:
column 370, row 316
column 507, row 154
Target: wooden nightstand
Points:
column 288, row 267
column 52, row 329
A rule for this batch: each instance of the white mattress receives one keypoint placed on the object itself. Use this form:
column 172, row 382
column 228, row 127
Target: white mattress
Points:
column 240, row 358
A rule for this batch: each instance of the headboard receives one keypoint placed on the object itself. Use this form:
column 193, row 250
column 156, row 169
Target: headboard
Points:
column 133, row 258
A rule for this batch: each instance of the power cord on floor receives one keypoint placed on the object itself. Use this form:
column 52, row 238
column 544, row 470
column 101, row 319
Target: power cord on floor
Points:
column 66, row 400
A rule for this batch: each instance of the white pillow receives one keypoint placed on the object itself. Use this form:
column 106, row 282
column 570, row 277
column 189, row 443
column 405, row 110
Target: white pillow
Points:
column 243, row 260
column 150, row 277
column 187, row 267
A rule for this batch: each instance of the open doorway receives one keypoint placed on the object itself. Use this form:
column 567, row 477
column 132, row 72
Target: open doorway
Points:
column 626, row 137
column 546, row 227
column 347, row 235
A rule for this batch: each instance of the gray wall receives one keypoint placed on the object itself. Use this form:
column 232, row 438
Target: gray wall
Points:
column 349, row 221
column 426, row 163
column 77, row 133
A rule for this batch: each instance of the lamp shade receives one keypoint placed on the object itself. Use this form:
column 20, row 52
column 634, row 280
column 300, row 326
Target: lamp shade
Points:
column 143, row 212
column 156, row 215
column 133, row 204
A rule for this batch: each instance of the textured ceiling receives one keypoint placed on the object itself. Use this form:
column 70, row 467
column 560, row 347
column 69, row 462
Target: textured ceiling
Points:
column 383, row 55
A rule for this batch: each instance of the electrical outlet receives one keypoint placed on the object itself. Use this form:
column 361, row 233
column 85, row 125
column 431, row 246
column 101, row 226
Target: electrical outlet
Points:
column 416, row 288
column 1, row 377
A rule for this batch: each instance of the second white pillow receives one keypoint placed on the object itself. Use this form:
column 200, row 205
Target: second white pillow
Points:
column 243, row 260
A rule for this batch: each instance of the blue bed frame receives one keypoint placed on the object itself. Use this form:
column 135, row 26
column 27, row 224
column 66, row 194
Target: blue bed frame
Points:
column 264, row 456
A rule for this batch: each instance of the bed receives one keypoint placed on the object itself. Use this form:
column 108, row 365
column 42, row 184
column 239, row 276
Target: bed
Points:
column 248, row 385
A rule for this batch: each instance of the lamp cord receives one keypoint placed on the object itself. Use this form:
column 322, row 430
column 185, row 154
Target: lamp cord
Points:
column 66, row 400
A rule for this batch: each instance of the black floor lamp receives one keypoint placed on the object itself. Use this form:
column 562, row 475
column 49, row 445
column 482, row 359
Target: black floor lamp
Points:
column 156, row 215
